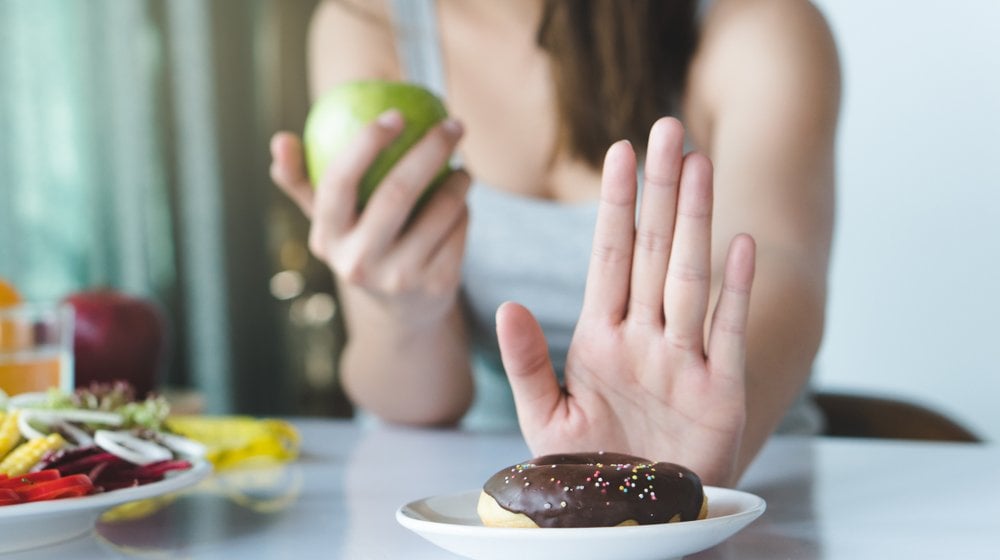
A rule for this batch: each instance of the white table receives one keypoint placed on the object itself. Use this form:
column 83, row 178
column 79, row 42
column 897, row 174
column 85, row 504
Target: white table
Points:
column 827, row 498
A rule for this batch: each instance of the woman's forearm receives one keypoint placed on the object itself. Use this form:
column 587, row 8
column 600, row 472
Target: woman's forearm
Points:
column 412, row 372
column 784, row 333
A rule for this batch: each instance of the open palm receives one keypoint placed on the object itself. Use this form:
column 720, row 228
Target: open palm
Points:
column 642, row 376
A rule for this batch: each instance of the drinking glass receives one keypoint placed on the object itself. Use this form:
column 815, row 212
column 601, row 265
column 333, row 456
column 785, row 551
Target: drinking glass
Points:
column 36, row 347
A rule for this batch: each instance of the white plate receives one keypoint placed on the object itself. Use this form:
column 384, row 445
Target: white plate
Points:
column 36, row 524
column 451, row 523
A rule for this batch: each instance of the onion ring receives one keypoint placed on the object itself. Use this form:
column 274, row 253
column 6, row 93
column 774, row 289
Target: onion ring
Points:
column 131, row 448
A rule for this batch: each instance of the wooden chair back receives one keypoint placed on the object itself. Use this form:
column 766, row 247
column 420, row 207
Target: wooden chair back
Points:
column 853, row 415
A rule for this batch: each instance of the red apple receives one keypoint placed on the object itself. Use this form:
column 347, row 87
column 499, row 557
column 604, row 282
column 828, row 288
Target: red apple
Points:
column 117, row 337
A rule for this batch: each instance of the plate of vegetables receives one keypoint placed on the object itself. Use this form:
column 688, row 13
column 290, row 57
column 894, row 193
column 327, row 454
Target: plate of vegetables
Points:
column 67, row 458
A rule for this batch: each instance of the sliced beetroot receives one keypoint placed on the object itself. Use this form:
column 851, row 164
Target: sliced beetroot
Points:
column 87, row 464
column 53, row 459
column 107, row 470
column 160, row 468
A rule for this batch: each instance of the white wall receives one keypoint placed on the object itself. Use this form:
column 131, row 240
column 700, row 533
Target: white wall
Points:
column 915, row 285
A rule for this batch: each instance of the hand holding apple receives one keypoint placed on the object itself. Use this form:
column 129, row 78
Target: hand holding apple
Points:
column 338, row 117
column 407, row 263
column 117, row 337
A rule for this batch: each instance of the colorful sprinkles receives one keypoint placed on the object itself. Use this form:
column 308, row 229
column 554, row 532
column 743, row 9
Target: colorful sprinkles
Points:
column 635, row 475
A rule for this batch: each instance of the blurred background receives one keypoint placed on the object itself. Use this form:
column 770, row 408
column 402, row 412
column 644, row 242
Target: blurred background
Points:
column 134, row 154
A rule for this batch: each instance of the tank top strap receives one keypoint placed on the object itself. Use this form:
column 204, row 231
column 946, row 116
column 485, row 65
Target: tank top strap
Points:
column 418, row 44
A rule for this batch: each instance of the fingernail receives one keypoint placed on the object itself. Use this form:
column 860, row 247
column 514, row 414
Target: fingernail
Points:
column 390, row 119
column 452, row 127
column 275, row 144
column 618, row 148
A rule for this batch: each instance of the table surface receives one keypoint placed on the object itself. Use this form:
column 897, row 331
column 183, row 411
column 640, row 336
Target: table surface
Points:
column 826, row 498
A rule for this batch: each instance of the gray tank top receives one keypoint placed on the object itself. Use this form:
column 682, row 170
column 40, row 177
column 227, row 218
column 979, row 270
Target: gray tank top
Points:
column 532, row 251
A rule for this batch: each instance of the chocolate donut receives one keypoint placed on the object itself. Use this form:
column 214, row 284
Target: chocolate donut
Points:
column 591, row 490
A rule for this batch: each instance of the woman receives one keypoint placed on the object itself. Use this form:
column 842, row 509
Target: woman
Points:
column 538, row 89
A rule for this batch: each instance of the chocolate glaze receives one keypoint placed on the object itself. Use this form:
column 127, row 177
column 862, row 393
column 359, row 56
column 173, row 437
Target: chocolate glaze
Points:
column 597, row 490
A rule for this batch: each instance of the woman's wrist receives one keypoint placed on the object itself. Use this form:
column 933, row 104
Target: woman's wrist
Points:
column 408, row 374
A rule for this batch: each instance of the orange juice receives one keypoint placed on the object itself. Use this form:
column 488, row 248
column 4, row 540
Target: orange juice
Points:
column 37, row 370
column 36, row 347
column 14, row 335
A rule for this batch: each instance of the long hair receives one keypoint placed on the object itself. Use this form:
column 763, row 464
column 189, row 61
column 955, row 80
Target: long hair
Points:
column 618, row 65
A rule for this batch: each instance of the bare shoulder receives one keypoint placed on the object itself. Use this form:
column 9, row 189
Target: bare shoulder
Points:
column 786, row 36
column 762, row 54
column 351, row 39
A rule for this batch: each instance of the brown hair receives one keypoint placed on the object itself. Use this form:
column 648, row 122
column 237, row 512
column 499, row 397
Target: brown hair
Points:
column 618, row 65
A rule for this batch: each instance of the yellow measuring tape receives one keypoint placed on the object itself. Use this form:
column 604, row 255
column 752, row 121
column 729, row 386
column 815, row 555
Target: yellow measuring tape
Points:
column 233, row 440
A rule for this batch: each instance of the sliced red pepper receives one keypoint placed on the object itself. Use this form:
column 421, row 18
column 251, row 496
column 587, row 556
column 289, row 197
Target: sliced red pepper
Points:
column 8, row 496
column 65, row 487
column 29, row 479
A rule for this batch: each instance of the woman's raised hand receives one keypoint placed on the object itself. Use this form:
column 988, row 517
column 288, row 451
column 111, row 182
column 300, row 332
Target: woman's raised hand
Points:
column 412, row 266
column 642, row 376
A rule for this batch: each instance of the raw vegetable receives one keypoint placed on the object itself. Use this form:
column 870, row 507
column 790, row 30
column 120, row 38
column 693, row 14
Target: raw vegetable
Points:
column 131, row 448
column 107, row 470
column 119, row 398
column 92, row 440
column 23, row 457
column 42, row 485
column 9, row 433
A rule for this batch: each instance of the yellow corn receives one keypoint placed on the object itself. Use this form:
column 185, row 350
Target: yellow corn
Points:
column 10, row 434
column 21, row 459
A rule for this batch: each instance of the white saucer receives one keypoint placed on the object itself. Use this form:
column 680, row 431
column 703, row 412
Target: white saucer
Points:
column 451, row 523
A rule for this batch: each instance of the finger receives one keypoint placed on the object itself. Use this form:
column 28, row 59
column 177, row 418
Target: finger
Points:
column 337, row 193
column 393, row 200
column 727, row 334
column 606, row 294
column 525, row 357
column 424, row 236
column 445, row 265
column 688, row 274
column 654, row 232
column 288, row 172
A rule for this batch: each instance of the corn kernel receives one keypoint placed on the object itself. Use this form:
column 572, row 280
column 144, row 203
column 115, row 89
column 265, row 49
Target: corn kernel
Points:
column 22, row 458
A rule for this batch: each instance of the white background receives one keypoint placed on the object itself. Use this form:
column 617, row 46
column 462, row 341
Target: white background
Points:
column 915, row 283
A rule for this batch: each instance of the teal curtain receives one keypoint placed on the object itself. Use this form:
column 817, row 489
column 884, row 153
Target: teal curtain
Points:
column 133, row 154
column 83, row 184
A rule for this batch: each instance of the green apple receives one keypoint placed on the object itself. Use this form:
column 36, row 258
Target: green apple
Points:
column 336, row 119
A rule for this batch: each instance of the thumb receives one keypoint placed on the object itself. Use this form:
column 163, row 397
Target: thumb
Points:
column 288, row 170
column 525, row 357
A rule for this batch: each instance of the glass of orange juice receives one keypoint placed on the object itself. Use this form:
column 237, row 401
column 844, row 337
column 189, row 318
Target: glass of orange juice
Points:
column 36, row 347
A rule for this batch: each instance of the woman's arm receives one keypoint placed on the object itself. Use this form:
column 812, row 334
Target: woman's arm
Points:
column 665, row 363
column 406, row 356
column 764, row 100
